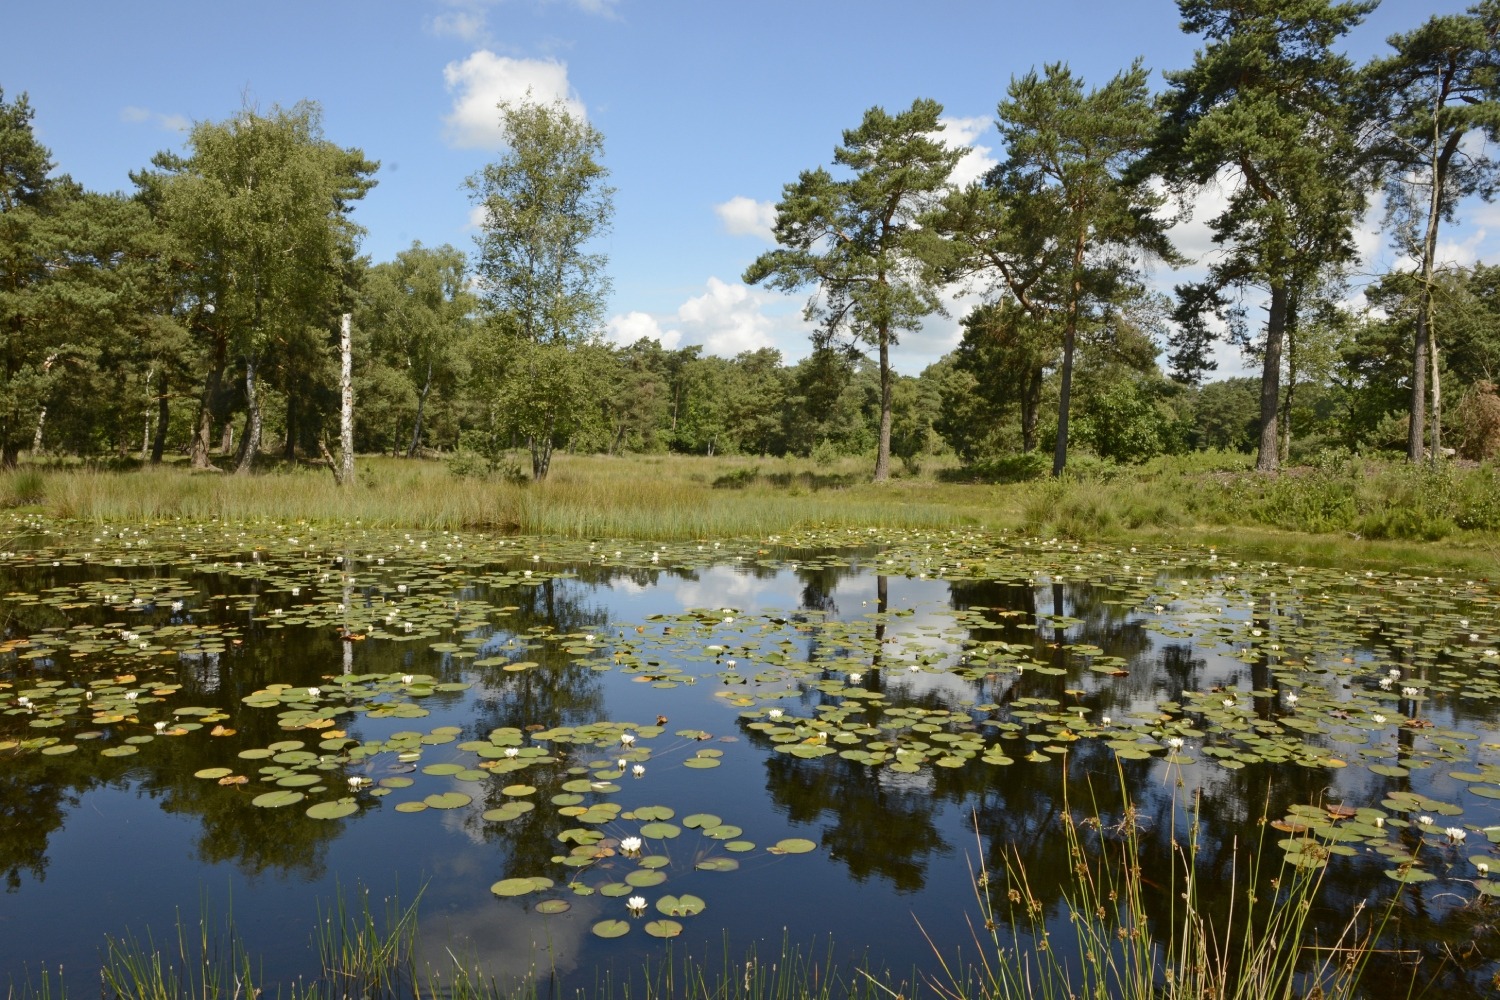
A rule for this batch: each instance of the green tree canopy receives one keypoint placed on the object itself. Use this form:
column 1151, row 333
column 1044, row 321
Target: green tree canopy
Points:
column 1266, row 112
column 545, row 202
column 857, row 241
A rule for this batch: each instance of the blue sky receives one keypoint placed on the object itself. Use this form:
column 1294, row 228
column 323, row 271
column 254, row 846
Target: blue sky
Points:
column 707, row 110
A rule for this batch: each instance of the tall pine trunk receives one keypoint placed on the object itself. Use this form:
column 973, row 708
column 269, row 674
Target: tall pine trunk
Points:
column 883, row 448
column 1267, row 457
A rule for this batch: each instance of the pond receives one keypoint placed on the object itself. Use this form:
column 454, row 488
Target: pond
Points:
column 578, row 758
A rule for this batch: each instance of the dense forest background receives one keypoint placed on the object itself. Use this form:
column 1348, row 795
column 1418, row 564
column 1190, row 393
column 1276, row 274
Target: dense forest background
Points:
column 197, row 314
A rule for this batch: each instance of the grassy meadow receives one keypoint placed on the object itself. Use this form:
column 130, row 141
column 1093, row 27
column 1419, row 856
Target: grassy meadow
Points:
column 1381, row 512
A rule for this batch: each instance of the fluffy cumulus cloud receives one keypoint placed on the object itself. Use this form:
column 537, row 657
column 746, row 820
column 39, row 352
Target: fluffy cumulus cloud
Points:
column 726, row 319
column 743, row 216
column 632, row 326
column 484, row 80
column 965, row 133
column 143, row 116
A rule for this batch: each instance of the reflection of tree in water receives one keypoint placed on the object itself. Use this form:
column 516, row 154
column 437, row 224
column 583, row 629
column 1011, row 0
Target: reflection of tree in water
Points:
column 879, row 823
column 559, row 691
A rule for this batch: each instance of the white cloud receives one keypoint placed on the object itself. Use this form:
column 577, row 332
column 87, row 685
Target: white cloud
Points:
column 632, row 326
column 468, row 25
column 478, row 215
column 484, row 80
column 747, row 217
column 965, row 132
column 727, row 319
column 169, row 123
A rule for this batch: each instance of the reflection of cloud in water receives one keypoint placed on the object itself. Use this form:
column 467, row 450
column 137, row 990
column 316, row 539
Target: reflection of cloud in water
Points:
column 923, row 685
column 726, row 587
column 495, row 940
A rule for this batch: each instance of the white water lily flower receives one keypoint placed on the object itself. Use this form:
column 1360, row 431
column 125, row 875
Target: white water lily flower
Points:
column 23, row 701
column 1484, row 868
column 622, row 763
column 1174, row 742
column 1291, row 699
column 161, row 727
column 630, row 844
column 400, row 588
column 1385, row 683
column 132, row 695
column 774, row 714
column 1379, row 822
column 512, row 752
column 856, row 677
column 407, row 678
column 355, row 781
column 1228, row 702
column 1409, row 692
column 1394, row 674
column 1491, row 652
column 1378, row 719
column 627, row 738
column 1456, row 834
column 1106, row 720
column 1424, row 820
column 636, row 905
column 313, row 692
column 638, row 770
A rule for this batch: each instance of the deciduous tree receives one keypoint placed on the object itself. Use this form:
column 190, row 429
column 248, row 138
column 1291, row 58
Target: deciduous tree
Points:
column 544, row 202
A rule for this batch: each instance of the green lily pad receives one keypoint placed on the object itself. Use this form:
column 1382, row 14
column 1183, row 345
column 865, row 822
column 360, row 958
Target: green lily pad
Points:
column 277, row 799
column 792, row 845
column 611, row 928
column 663, row 928
column 333, row 810
column 680, row 906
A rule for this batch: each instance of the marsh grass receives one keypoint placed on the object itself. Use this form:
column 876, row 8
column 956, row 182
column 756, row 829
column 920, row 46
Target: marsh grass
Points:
column 1250, row 943
column 1341, row 509
column 1247, row 940
column 586, row 496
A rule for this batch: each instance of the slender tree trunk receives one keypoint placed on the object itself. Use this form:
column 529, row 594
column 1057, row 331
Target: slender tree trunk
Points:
column 416, row 431
column 1290, row 340
column 346, row 400
column 1267, row 457
column 1437, row 403
column 251, row 445
column 883, row 447
column 1064, row 399
column 163, row 417
column 289, row 440
column 1416, row 429
column 1031, row 408
column 226, row 438
column 541, row 452
column 36, row 438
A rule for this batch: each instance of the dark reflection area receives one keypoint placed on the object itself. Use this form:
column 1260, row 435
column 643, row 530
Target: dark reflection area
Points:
column 1031, row 670
column 877, row 824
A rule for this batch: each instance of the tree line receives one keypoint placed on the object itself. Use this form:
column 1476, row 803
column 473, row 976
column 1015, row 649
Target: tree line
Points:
column 199, row 312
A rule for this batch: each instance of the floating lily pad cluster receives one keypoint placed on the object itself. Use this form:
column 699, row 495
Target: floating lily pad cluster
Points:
column 1312, row 667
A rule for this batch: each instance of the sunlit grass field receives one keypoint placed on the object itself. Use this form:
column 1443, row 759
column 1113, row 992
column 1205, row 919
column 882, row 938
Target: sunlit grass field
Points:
column 1348, row 509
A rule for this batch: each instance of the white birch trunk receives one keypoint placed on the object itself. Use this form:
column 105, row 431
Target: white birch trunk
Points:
column 346, row 402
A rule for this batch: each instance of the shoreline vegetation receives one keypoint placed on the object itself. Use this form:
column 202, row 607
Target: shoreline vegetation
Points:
column 1342, row 507
column 1112, row 941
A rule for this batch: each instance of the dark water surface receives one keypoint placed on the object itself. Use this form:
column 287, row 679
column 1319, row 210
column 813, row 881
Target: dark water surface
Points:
column 914, row 707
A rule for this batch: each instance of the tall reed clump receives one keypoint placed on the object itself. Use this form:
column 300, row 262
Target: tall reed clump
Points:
column 1225, row 942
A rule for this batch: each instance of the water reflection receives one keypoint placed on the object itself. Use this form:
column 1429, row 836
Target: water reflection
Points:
column 1048, row 673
